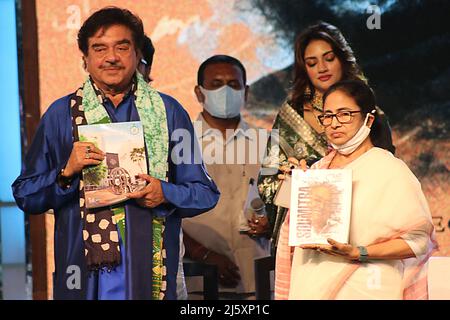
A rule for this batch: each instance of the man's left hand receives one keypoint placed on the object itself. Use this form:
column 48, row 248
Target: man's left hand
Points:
column 335, row 248
column 151, row 196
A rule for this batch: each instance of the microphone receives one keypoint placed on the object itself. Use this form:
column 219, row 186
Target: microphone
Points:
column 258, row 207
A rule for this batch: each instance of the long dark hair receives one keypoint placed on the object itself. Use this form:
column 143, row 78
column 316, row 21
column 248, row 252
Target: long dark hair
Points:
column 332, row 35
column 358, row 90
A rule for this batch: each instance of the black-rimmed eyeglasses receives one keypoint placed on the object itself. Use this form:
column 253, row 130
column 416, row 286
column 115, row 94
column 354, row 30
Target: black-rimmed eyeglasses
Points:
column 342, row 117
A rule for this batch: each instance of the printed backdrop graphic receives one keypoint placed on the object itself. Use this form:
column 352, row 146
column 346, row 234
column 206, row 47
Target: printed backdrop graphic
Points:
column 184, row 33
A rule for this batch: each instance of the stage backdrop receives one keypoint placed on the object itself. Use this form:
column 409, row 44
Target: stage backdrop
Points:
column 184, row 33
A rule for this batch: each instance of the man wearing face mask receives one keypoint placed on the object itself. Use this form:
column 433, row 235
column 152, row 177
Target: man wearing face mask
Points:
column 217, row 237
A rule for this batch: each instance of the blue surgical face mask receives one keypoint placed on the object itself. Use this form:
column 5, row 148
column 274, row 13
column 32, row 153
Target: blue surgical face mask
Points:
column 224, row 102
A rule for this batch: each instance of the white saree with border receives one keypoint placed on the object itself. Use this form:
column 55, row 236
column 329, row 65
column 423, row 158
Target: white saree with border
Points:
column 387, row 203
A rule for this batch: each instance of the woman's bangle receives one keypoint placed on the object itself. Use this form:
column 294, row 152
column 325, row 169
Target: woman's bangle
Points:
column 363, row 254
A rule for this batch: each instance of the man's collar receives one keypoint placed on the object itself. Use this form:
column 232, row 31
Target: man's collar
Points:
column 99, row 92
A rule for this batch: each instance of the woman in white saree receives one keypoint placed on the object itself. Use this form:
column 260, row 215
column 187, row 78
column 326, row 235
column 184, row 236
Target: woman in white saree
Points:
column 391, row 232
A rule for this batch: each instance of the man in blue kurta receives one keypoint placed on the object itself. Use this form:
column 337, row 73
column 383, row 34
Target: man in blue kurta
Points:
column 142, row 262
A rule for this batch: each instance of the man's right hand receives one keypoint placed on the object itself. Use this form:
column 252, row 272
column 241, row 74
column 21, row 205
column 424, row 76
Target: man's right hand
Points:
column 228, row 272
column 259, row 226
column 83, row 154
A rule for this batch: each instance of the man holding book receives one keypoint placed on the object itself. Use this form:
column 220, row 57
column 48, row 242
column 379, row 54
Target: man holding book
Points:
column 142, row 261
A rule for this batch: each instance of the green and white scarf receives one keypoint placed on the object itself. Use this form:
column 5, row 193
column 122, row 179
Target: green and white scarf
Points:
column 101, row 241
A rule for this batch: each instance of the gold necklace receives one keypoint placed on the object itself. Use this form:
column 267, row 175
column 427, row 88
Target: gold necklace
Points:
column 316, row 102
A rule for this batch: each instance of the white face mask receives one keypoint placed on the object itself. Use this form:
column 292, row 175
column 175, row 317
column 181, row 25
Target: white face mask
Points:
column 352, row 144
column 224, row 102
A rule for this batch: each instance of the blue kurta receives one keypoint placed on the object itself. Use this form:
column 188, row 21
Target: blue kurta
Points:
column 189, row 192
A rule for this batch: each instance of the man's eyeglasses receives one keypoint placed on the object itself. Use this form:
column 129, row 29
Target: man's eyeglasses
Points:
column 342, row 117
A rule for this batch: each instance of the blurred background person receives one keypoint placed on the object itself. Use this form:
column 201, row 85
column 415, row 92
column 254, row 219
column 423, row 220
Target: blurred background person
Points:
column 146, row 58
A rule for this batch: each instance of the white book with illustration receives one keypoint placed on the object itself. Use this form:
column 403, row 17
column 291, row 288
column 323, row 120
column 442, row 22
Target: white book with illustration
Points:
column 108, row 183
column 320, row 206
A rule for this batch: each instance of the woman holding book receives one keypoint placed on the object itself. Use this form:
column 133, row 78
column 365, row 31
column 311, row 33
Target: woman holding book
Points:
column 391, row 232
column 322, row 58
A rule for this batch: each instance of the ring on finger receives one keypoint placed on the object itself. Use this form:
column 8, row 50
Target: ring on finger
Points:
column 87, row 155
column 88, row 149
